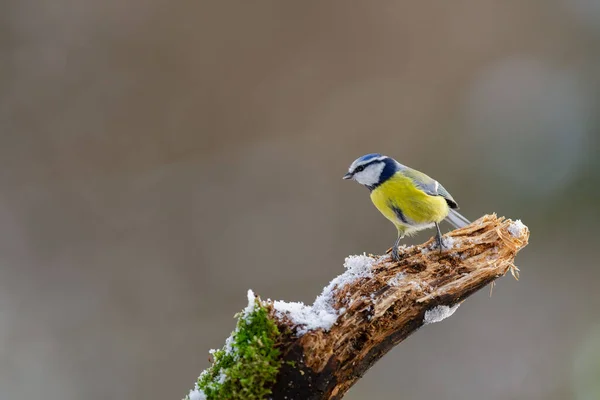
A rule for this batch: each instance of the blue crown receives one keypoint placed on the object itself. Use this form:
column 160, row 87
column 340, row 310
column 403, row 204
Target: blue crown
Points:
column 368, row 157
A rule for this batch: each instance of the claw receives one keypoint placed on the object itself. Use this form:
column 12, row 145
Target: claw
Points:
column 395, row 254
column 439, row 238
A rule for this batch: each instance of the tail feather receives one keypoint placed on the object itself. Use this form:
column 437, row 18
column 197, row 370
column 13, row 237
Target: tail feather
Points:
column 457, row 220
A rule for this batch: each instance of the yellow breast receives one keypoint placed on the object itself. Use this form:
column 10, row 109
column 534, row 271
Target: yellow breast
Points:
column 416, row 207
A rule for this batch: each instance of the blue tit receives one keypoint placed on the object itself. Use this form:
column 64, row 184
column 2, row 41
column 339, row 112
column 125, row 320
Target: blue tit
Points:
column 409, row 198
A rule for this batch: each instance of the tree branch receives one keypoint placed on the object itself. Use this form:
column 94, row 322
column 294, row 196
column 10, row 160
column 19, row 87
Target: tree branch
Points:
column 378, row 311
column 292, row 351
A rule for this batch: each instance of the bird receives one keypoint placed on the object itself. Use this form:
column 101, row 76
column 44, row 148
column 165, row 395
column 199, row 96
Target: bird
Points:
column 411, row 200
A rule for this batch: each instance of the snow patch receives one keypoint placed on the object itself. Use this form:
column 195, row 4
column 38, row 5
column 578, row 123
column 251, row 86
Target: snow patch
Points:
column 439, row 313
column 395, row 281
column 449, row 242
column 322, row 314
column 197, row 394
column 516, row 228
column 251, row 305
column 229, row 344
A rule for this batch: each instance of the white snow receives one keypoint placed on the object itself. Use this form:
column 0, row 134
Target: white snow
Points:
column 229, row 344
column 395, row 281
column 197, row 394
column 516, row 228
column 439, row 313
column 448, row 242
column 251, row 304
column 307, row 317
column 322, row 314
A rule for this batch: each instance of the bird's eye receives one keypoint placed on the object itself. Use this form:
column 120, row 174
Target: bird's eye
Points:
column 361, row 168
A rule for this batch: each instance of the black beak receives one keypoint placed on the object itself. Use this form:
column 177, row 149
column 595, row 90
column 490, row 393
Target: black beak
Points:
column 347, row 176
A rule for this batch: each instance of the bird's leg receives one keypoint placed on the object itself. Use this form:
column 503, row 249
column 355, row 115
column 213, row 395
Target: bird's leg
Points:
column 439, row 238
column 395, row 255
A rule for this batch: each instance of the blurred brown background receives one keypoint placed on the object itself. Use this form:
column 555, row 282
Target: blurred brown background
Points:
column 157, row 159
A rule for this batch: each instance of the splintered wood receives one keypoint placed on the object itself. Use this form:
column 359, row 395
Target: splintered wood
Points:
column 379, row 311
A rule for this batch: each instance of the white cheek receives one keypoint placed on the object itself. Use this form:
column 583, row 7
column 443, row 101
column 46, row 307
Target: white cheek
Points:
column 370, row 176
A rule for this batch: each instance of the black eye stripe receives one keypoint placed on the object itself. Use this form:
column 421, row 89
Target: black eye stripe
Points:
column 372, row 162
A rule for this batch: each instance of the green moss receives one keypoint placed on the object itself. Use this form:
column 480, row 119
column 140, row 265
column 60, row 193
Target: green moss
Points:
column 247, row 366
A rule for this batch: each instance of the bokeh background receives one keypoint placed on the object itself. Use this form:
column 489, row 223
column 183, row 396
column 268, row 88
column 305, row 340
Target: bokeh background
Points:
column 159, row 158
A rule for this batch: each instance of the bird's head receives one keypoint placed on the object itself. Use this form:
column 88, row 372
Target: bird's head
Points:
column 371, row 170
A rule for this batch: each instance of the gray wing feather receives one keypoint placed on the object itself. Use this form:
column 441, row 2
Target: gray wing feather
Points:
column 430, row 186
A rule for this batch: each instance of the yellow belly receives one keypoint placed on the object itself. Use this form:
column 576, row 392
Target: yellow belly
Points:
column 419, row 209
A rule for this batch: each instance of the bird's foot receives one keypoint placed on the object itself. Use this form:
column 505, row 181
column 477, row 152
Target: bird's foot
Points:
column 440, row 244
column 438, row 237
column 443, row 244
column 395, row 254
